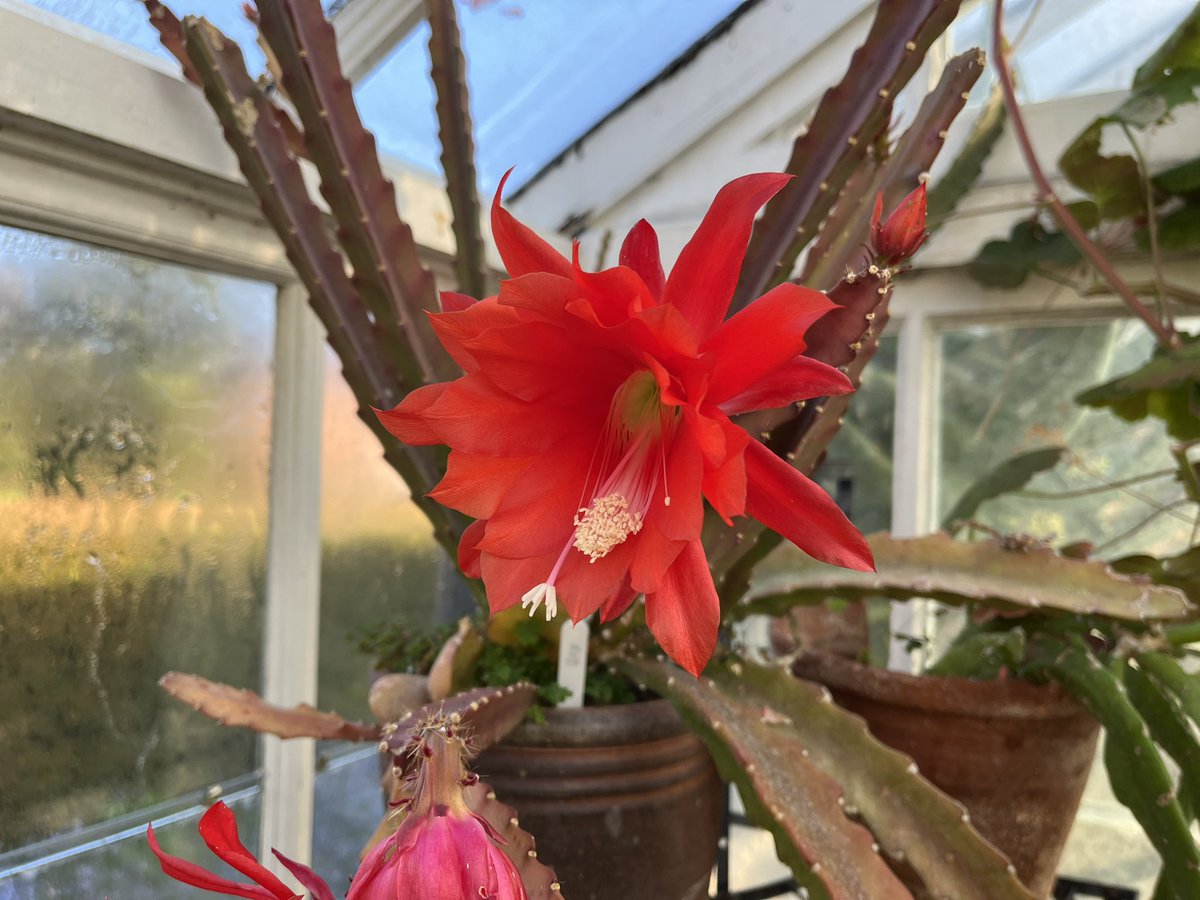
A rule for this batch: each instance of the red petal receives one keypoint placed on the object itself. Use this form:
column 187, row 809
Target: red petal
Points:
column 536, row 515
column 537, row 361
column 616, row 605
column 506, row 580
column 583, row 585
column 407, row 420
column 190, row 873
column 683, row 614
column 521, row 249
column 703, row 278
column 653, row 554
column 640, row 253
column 473, row 416
column 218, row 828
column 761, row 338
column 475, row 485
column 710, row 434
column 801, row 379
column 725, row 486
column 454, row 329
column 795, row 507
column 682, row 520
column 307, row 877
column 452, row 301
column 615, row 293
column 468, row 548
column 540, row 293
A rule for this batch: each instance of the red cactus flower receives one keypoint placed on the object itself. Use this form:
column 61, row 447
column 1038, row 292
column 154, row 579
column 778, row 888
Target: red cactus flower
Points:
column 593, row 420
column 904, row 231
column 442, row 850
column 218, row 828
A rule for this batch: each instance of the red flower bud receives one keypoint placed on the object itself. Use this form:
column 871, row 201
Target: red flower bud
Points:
column 904, row 231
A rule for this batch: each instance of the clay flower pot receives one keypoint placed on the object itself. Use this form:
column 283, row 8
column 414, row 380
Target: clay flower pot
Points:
column 1016, row 755
column 623, row 800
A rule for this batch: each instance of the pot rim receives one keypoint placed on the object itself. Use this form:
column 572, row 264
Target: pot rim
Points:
column 601, row 726
column 993, row 699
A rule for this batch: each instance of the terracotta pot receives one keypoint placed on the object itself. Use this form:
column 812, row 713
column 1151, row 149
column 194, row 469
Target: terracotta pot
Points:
column 1016, row 755
column 624, row 802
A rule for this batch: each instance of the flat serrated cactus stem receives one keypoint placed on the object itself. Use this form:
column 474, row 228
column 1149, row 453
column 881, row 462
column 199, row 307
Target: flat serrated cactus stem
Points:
column 1136, row 771
column 395, row 285
column 172, row 36
column 1002, row 574
column 746, row 713
column 831, row 856
column 240, row 708
column 489, row 712
column 849, row 117
column 839, row 246
column 448, row 72
column 273, row 174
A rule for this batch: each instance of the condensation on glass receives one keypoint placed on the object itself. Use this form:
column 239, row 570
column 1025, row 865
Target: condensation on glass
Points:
column 134, row 444
column 379, row 565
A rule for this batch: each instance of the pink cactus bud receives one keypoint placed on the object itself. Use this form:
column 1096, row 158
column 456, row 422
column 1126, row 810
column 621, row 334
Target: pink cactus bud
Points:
column 442, row 850
column 904, row 231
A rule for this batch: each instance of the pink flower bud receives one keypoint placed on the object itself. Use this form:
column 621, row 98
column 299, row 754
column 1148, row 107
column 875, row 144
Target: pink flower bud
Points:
column 904, row 231
column 442, row 850
column 442, row 855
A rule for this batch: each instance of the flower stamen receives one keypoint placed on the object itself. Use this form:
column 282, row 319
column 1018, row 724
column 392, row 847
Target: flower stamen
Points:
column 604, row 525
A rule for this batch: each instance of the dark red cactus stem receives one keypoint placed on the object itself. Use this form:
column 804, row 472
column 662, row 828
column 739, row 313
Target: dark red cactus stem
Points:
column 847, row 120
column 448, row 72
column 1165, row 336
column 842, row 240
column 274, row 175
column 396, row 286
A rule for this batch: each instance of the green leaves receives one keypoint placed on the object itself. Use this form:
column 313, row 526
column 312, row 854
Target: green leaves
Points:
column 1011, row 475
column 997, row 573
column 814, row 776
column 1113, row 182
column 1167, row 387
column 1006, row 264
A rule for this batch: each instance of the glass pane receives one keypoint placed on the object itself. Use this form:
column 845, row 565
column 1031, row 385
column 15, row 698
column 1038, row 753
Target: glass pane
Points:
column 349, row 806
column 379, row 562
column 134, row 437
column 1009, row 390
column 116, row 862
column 541, row 73
column 129, row 24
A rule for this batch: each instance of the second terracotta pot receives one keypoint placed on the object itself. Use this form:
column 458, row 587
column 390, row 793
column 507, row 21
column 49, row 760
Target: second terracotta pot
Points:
column 623, row 800
column 1016, row 755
